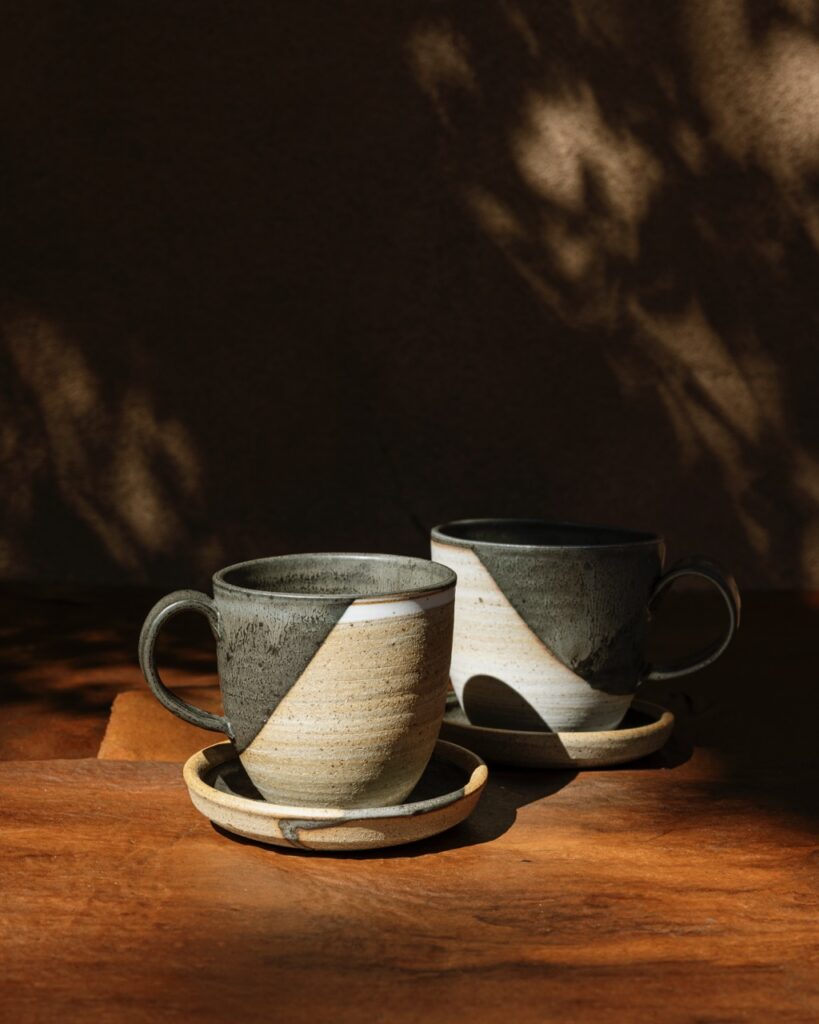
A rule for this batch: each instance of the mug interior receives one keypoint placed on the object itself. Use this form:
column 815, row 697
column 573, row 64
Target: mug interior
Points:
column 337, row 575
column 539, row 533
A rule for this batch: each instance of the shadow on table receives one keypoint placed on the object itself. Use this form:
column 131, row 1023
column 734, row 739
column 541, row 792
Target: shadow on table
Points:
column 752, row 715
column 67, row 652
column 54, row 643
column 508, row 790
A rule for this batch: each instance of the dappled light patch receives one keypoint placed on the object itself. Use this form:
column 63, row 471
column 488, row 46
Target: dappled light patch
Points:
column 127, row 474
column 650, row 174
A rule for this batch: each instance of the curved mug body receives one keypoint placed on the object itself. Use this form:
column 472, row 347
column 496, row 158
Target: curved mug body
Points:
column 551, row 620
column 333, row 670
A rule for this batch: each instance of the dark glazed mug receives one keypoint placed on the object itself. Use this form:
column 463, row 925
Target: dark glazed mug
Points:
column 551, row 620
column 333, row 670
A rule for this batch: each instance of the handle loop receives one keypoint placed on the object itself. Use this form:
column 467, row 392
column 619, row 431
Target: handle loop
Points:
column 726, row 585
column 173, row 604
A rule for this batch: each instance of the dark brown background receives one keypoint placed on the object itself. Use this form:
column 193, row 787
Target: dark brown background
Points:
column 282, row 276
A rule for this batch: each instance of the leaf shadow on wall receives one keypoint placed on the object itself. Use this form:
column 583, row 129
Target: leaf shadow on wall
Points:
column 650, row 174
column 302, row 278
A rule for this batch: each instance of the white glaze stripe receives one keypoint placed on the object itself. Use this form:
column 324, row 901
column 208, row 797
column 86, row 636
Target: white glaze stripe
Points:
column 491, row 639
column 369, row 609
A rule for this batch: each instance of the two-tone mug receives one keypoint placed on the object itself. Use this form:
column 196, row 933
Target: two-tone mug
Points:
column 551, row 620
column 333, row 670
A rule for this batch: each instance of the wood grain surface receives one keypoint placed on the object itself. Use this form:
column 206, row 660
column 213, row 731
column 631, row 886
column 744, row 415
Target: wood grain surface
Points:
column 682, row 888
column 140, row 729
column 66, row 652
column 612, row 896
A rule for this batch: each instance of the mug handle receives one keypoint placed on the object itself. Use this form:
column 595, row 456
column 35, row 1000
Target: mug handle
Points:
column 726, row 585
column 170, row 605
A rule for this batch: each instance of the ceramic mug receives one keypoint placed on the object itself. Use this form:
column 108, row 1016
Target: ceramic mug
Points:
column 333, row 670
column 551, row 620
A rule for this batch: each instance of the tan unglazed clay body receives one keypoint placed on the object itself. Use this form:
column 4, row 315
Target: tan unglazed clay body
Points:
column 333, row 670
column 358, row 727
column 449, row 789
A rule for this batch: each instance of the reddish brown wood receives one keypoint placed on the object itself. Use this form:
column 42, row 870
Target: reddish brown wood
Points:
column 685, row 893
column 66, row 653
column 614, row 896
column 141, row 729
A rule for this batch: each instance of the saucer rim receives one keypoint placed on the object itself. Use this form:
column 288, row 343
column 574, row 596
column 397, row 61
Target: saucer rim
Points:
column 661, row 718
column 198, row 764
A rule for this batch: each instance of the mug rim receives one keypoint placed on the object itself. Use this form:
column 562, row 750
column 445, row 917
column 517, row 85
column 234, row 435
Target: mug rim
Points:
column 447, row 577
column 628, row 538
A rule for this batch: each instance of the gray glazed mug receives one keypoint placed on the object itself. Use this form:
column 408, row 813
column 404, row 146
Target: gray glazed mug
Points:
column 333, row 670
column 551, row 620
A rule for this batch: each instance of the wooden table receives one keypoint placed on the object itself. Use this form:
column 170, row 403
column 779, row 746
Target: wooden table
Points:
column 682, row 889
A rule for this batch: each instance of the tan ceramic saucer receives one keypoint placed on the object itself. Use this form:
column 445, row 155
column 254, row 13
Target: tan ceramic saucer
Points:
column 447, row 794
column 645, row 729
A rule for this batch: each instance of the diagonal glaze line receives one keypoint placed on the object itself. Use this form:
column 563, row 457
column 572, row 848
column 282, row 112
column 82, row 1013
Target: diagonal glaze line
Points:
column 506, row 572
column 265, row 656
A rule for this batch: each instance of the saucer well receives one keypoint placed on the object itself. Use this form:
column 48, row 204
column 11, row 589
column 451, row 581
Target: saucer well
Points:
column 447, row 794
column 644, row 730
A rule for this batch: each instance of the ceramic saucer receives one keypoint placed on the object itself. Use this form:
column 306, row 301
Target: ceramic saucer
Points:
column 645, row 729
column 447, row 794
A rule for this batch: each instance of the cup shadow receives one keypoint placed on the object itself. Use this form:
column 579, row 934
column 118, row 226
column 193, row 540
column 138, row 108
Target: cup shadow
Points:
column 516, row 714
column 508, row 789
column 488, row 701
column 674, row 753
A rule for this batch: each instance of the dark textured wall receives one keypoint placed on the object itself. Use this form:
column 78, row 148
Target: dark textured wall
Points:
column 317, row 275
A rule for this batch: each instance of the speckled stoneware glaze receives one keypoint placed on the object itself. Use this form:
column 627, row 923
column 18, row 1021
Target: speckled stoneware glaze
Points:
column 551, row 620
column 445, row 795
column 333, row 669
column 644, row 730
